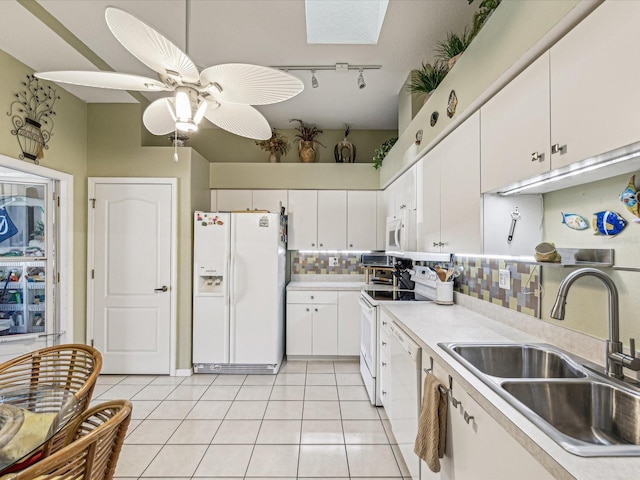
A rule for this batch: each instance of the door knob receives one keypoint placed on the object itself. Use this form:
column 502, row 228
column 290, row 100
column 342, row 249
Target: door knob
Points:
column 164, row 288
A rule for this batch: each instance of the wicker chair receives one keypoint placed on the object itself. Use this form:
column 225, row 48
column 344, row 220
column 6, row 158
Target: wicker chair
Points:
column 93, row 444
column 74, row 367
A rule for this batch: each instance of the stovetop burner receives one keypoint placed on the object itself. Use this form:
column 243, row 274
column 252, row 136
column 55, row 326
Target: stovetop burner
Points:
column 395, row 295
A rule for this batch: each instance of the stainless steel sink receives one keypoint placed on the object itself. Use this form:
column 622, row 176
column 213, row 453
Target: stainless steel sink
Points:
column 586, row 413
column 595, row 414
column 517, row 361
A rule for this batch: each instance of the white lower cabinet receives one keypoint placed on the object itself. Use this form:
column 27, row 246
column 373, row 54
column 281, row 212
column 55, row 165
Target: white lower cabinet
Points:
column 323, row 322
column 477, row 447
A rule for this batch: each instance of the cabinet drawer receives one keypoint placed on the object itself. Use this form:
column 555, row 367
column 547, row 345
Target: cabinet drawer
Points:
column 312, row 296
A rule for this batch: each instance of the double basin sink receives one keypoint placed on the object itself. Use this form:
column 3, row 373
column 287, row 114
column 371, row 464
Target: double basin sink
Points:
column 586, row 413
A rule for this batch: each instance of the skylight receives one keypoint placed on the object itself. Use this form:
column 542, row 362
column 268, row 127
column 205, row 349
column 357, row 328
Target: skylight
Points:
column 345, row 22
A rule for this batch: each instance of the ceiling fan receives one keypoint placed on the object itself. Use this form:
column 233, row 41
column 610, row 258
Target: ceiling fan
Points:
column 223, row 94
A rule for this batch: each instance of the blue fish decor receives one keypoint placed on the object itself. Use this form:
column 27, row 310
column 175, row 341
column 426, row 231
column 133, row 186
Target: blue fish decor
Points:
column 608, row 223
column 574, row 221
column 630, row 197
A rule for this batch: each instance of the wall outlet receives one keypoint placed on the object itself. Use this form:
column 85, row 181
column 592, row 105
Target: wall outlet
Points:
column 504, row 279
column 333, row 261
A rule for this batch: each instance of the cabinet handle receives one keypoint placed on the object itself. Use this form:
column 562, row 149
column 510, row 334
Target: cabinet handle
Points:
column 315, row 309
column 537, row 157
column 384, row 344
column 403, row 206
column 467, row 417
column 384, row 364
column 313, row 244
column 435, row 244
column 311, row 297
column 556, row 148
column 384, row 323
column 321, row 245
column 351, row 245
column 307, row 309
column 383, row 392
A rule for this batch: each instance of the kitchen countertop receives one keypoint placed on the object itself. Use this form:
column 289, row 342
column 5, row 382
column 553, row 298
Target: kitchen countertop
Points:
column 334, row 285
column 430, row 324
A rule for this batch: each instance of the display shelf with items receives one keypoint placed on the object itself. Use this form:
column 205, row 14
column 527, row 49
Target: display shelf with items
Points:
column 22, row 297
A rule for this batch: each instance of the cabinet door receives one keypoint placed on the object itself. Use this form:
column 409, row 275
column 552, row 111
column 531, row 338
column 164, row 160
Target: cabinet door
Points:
column 381, row 228
column 483, row 450
column 406, row 190
column 390, row 200
column 361, row 220
column 428, row 213
column 214, row 201
column 303, row 220
column 332, row 219
column 460, row 200
column 270, row 200
column 349, row 314
column 230, row 200
column 299, row 329
column 515, row 127
column 325, row 329
column 594, row 103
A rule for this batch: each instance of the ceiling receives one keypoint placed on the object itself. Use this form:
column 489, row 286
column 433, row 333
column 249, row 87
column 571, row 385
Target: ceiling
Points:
column 264, row 32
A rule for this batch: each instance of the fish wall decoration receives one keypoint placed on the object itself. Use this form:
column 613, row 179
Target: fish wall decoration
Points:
column 608, row 223
column 574, row 221
column 630, row 197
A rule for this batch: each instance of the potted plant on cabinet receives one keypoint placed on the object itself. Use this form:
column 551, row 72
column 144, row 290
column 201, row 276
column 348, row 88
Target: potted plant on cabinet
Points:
column 277, row 145
column 450, row 49
column 307, row 141
column 427, row 78
column 382, row 151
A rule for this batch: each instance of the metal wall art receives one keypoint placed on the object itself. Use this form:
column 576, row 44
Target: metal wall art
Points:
column 631, row 197
column 345, row 151
column 418, row 137
column 434, row 119
column 452, row 104
column 32, row 117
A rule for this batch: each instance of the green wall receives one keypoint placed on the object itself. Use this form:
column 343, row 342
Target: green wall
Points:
column 67, row 153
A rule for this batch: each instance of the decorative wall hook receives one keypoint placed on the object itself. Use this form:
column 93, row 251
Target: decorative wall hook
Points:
column 32, row 118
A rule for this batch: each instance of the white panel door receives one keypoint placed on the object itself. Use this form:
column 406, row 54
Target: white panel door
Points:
column 132, row 263
column 270, row 200
column 234, row 200
column 332, row 219
column 595, row 107
column 361, row 220
column 303, row 220
column 256, row 309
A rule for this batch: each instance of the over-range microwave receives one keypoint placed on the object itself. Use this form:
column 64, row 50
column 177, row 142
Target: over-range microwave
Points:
column 400, row 233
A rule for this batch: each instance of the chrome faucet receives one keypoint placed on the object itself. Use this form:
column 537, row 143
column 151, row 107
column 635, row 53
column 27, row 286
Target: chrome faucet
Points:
column 615, row 357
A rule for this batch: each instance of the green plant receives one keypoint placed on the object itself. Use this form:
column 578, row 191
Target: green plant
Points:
column 453, row 45
column 382, row 151
column 482, row 15
column 306, row 133
column 427, row 78
column 278, row 143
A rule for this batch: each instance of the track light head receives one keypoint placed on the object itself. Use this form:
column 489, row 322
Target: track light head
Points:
column 361, row 82
column 314, row 80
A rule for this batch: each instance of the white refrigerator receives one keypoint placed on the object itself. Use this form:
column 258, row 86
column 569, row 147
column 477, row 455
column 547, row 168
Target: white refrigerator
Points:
column 238, row 292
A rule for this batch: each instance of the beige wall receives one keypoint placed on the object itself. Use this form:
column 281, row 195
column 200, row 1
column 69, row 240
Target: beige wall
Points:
column 219, row 146
column 115, row 151
column 587, row 301
column 513, row 29
column 67, row 153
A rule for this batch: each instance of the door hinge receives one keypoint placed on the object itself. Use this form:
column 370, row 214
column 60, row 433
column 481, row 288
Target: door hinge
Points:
column 93, row 273
column 92, row 342
column 56, row 198
column 58, row 277
column 93, row 202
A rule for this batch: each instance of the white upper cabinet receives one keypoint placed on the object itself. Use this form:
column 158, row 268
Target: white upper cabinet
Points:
column 401, row 194
column 362, row 219
column 332, row 219
column 515, row 129
column 233, row 200
column 449, row 215
column 595, row 106
column 303, row 220
column 381, row 216
column 270, row 200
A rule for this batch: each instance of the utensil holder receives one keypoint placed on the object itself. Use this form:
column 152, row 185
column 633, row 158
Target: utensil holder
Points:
column 444, row 293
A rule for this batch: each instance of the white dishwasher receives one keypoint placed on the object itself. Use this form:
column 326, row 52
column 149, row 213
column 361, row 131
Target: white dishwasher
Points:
column 406, row 359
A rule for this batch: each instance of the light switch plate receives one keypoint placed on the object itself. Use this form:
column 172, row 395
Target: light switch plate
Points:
column 504, row 279
column 333, row 261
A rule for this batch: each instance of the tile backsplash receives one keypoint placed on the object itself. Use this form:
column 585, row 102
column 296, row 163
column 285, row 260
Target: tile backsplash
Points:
column 480, row 280
column 317, row 263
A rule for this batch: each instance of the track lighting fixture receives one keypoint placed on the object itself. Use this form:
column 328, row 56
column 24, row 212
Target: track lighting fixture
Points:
column 338, row 67
column 361, row 82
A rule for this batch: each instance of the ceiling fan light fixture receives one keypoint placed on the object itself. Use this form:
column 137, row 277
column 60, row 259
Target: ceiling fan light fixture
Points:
column 202, row 108
column 186, row 126
column 183, row 105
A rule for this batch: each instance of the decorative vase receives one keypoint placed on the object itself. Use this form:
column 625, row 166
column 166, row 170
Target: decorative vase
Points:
column 30, row 139
column 274, row 157
column 307, row 151
column 345, row 152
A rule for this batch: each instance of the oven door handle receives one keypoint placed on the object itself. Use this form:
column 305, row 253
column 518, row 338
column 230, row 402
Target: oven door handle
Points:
column 364, row 304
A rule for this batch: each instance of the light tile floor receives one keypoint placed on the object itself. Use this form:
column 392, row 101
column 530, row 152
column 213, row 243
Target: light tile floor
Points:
column 313, row 420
